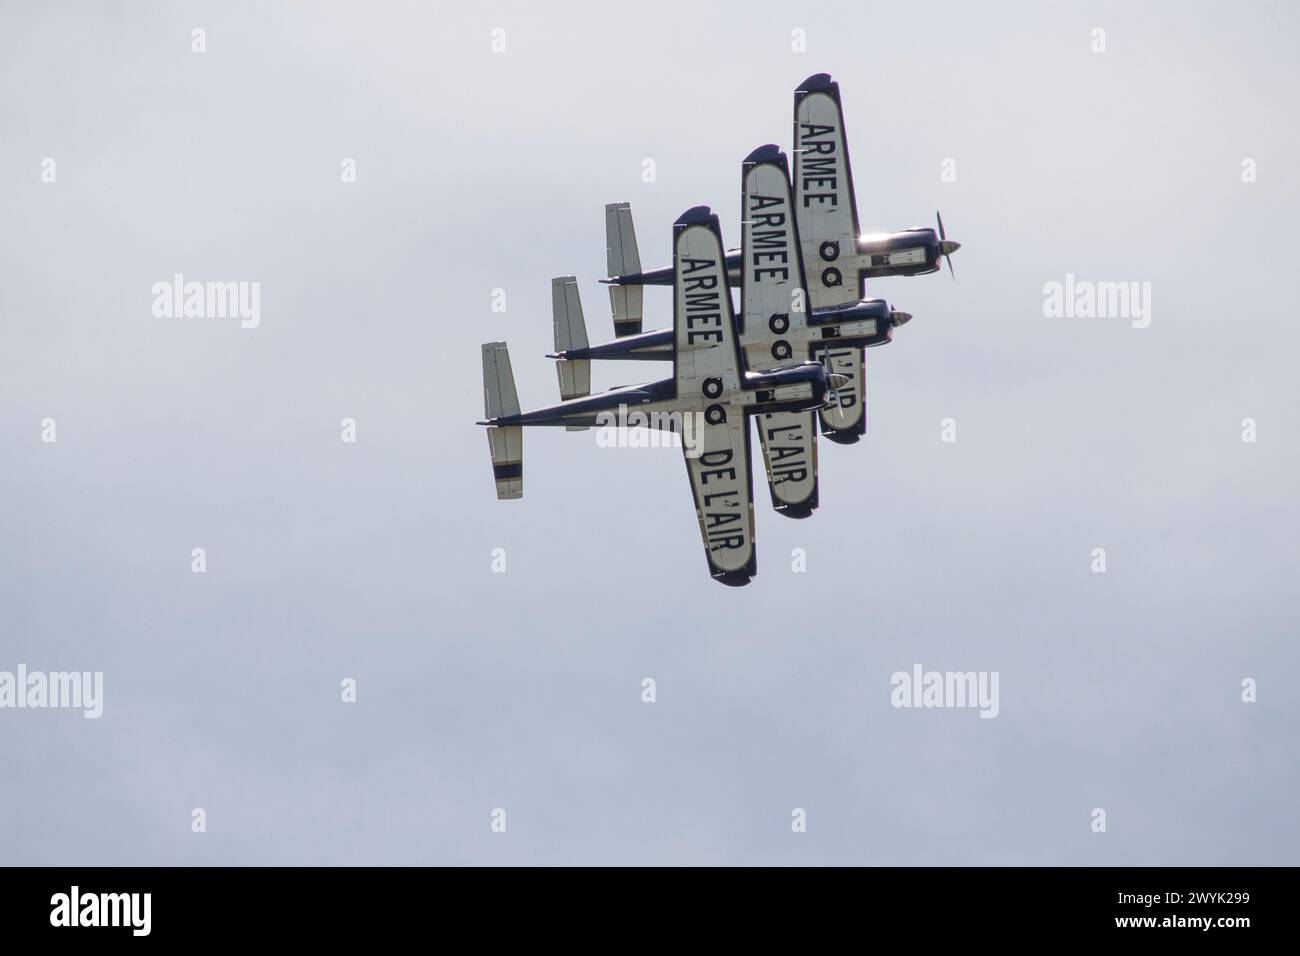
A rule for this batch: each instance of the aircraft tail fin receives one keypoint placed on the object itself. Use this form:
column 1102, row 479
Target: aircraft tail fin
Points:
column 570, row 334
column 501, row 401
column 625, row 301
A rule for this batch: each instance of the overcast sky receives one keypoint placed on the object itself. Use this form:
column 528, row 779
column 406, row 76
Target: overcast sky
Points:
column 372, row 560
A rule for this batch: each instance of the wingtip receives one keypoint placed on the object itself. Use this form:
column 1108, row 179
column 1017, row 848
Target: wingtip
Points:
column 694, row 216
column 767, row 153
column 843, row 438
column 733, row 579
column 804, row 510
column 819, row 82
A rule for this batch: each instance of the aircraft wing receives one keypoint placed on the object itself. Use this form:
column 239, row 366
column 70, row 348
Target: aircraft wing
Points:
column 773, row 303
column 707, row 365
column 706, row 350
column 827, row 209
column 847, row 421
column 722, row 484
column 773, row 294
column 789, row 441
column 823, row 188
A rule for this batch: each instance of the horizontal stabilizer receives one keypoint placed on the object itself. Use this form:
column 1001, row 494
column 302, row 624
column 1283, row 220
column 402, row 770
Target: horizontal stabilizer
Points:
column 570, row 334
column 626, row 302
column 499, row 396
column 499, row 401
column 507, row 445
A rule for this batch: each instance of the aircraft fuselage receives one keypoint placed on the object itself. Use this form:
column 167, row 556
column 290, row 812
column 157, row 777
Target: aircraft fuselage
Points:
column 792, row 388
column 911, row 252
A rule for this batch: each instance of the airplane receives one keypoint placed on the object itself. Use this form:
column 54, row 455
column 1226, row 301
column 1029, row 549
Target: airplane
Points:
column 709, row 398
column 833, row 246
column 775, row 327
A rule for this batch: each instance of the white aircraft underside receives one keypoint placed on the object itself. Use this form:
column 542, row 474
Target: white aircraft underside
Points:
column 791, row 354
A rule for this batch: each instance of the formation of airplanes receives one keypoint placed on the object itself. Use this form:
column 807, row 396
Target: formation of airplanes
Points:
column 792, row 357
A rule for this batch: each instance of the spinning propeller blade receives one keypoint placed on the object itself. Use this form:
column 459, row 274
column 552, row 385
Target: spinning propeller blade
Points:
column 833, row 396
column 947, row 246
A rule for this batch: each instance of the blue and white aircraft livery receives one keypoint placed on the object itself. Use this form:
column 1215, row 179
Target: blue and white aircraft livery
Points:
column 839, row 259
column 710, row 384
column 775, row 327
column 790, row 358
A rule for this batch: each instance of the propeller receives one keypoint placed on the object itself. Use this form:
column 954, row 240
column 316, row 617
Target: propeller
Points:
column 833, row 395
column 947, row 246
column 834, row 381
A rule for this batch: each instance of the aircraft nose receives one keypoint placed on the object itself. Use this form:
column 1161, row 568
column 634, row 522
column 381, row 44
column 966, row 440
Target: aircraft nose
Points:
column 837, row 381
column 948, row 246
column 900, row 318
